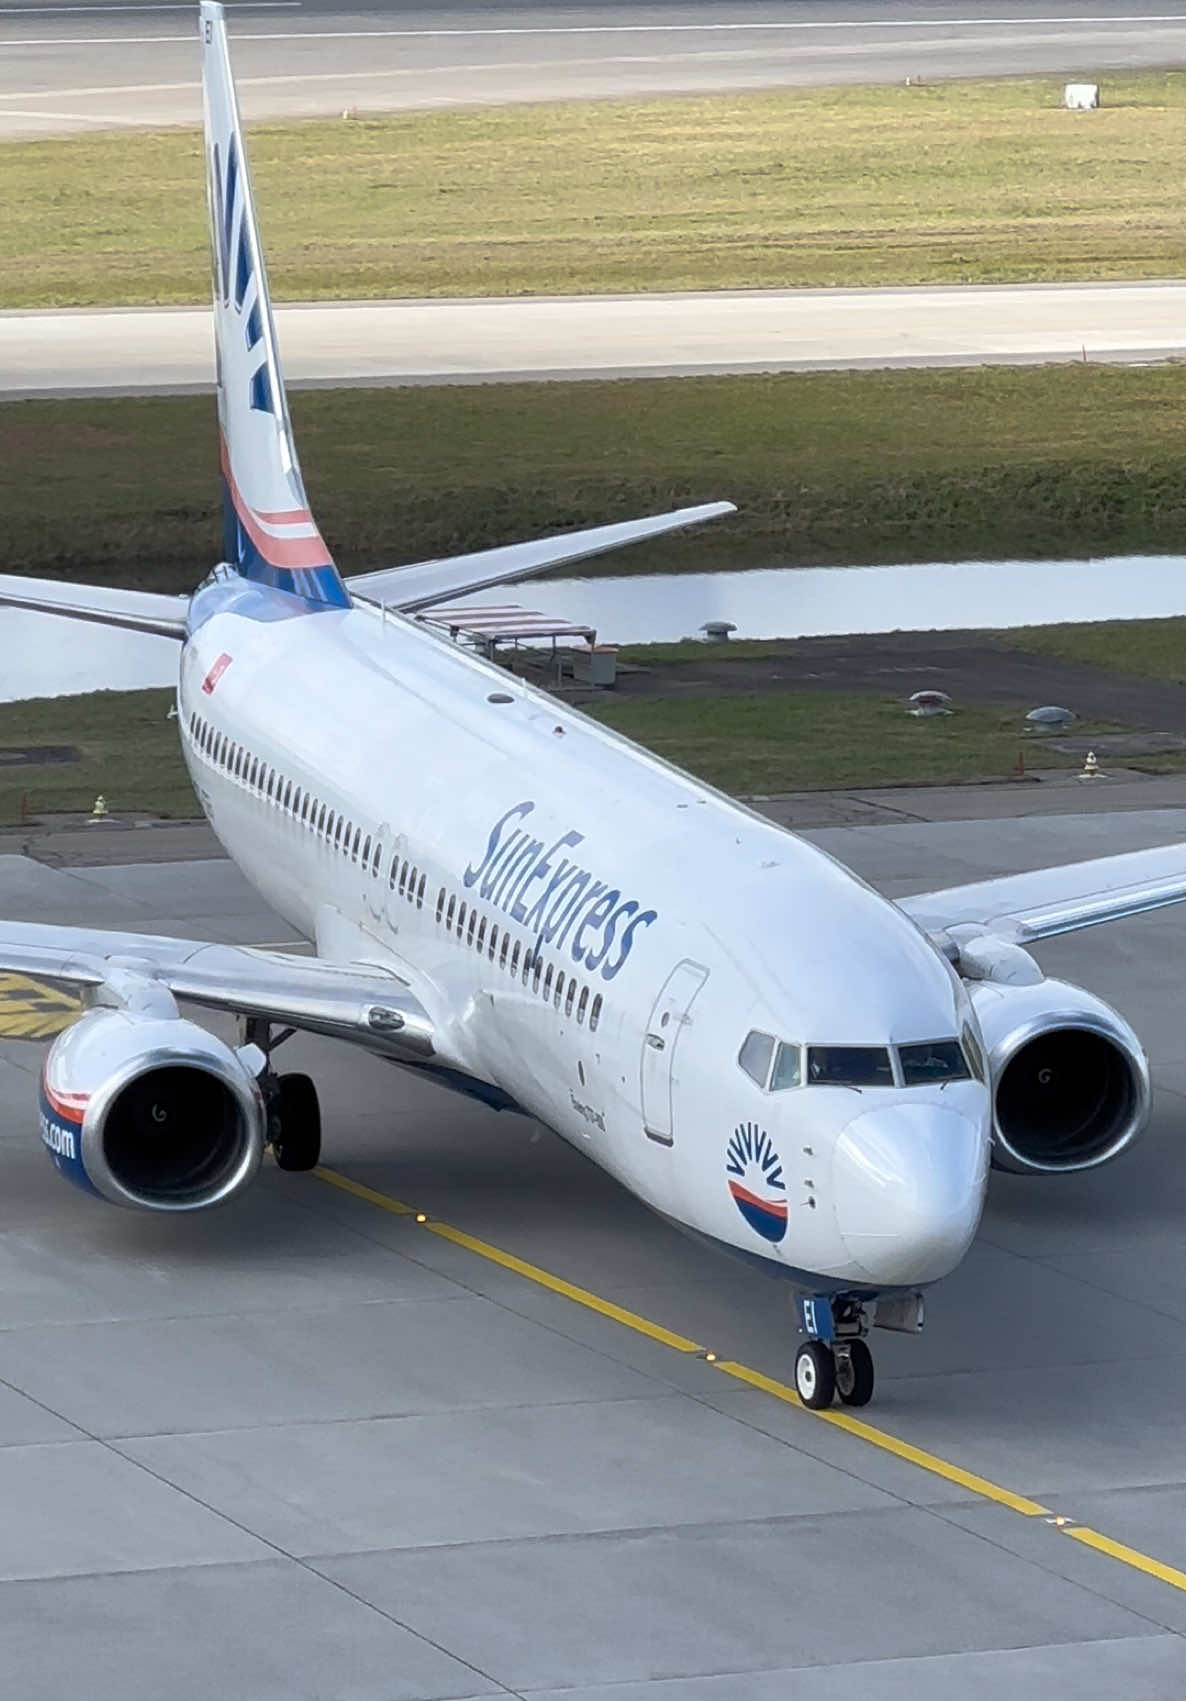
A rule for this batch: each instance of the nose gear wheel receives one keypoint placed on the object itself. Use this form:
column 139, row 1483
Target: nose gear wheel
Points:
column 854, row 1374
column 815, row 1375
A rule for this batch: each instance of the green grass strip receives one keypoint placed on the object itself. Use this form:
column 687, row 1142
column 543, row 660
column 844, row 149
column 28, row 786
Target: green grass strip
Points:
column 979, row 182
column 1150, row 649
column 128, row 751
column 831, row 468
column 766, row 742
column 778, row 741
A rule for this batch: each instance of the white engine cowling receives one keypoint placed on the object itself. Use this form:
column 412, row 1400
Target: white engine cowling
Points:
column 1069, row 1079
column 152, row 1112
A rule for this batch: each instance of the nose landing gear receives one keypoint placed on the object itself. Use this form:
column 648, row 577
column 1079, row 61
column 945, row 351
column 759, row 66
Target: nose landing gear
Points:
column 836, row 1360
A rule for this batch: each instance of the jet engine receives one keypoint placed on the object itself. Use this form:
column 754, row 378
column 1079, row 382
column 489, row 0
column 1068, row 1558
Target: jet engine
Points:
column 151, row 1111
column 1069, row 1080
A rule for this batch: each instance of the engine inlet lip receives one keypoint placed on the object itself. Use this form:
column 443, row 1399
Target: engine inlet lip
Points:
column 1075, row 1021
column 226, row 1071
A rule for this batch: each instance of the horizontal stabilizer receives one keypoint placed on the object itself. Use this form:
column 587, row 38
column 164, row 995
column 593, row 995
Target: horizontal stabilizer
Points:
column 420, row 585
column 135, row 611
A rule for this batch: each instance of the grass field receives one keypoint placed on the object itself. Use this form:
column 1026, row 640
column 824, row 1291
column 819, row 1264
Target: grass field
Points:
column 830, row 468
column 779, row 741
column 1155, row 649
column 769, row 742
column 954, row 183
column 129, row 752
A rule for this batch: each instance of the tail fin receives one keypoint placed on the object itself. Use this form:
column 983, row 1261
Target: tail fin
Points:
column 270, row 535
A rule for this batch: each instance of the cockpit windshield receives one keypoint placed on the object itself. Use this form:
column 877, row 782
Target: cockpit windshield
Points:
column 849, row 1066
column 938, row 1060
column 775, row 1065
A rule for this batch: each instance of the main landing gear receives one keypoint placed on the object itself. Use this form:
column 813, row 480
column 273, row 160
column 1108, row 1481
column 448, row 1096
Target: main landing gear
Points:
column 294, row 1114
column 837, row 1360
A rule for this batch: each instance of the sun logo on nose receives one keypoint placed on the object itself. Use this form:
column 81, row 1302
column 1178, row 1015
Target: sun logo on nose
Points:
column 754, row 1173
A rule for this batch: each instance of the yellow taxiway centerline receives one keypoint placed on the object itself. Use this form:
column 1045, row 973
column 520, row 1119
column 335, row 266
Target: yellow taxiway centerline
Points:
column 858, row 1428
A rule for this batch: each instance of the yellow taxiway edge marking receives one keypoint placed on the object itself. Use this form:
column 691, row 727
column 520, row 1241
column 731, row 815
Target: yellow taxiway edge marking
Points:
column 891, row 1443
column 556, row 1284
column 857, row 1427
column 1127, row 1555
column 385, row 1202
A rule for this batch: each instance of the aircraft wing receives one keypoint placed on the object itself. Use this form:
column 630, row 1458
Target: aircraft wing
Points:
column 136, row 611
column 1027, row 907
column 422, row 583
column 362, row 1002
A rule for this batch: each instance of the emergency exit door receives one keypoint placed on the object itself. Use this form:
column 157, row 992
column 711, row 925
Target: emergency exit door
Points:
column 668, row 1020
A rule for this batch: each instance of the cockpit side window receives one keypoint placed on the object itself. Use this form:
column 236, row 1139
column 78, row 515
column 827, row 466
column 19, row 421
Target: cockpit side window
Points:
column 937, row 1060
column 849, row 1066
column 788, row 1071
column 755, row 1054
column 974, row 1052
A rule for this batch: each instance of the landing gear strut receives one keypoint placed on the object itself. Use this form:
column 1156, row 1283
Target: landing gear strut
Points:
column 294, row 1115
column 836, row 1360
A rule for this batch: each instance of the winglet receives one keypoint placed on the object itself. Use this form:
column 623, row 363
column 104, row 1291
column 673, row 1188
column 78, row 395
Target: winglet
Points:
column 269, row 534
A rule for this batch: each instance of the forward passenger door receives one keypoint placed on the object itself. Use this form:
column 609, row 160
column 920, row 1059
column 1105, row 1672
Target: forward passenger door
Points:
column 667, row 1022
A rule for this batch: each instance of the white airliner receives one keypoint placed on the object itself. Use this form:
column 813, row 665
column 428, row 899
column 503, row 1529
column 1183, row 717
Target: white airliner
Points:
column 528, row 908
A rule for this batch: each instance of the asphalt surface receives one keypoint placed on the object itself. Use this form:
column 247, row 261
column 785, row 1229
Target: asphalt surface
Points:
column 971, row 667
column 305, row 1447
column 144, row 350
column 90, row 64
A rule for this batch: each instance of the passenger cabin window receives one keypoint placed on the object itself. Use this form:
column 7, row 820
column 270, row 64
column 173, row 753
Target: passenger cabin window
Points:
column 849, row 1066
column 755, row 1054
column 938, row 1060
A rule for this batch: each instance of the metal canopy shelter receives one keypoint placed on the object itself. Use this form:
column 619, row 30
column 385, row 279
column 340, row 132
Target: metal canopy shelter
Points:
column 506, row 623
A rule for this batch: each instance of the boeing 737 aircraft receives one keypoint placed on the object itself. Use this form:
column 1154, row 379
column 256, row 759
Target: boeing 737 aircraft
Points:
column 528, row 908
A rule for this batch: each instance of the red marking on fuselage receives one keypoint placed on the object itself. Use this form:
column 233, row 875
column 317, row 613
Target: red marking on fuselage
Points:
column 774, row 1207
column 216, row 673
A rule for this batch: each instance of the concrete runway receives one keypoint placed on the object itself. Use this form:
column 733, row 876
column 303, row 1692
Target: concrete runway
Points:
column 307, row 1447
column 407, row 342
column 94, row 64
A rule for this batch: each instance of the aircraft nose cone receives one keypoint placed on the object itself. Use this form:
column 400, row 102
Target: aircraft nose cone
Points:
column 909, row 1185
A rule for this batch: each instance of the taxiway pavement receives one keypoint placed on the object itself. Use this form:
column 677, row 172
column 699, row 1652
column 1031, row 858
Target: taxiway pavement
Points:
column 138, row 350
column 96, row 65
column 307, row 1446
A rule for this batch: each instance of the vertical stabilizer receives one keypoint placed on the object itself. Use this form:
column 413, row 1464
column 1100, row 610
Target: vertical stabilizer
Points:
column 270, row 535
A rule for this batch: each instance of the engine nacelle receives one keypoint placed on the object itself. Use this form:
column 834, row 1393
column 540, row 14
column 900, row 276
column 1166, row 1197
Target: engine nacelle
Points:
column 1070, row 1082
column 151, row 1111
